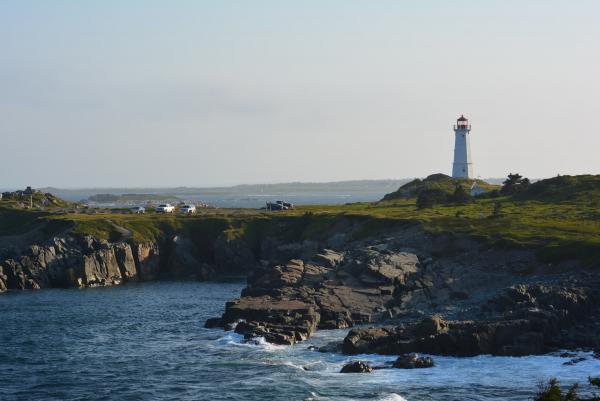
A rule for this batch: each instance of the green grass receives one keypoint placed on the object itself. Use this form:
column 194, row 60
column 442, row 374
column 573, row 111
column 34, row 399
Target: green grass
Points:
column 99, row 228
column 15, row 222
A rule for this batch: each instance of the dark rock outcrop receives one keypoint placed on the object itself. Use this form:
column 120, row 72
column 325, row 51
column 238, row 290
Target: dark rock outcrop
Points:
column 68, row 262
column 482, row 300
column 287, row 303
column 522, row 320
column 233, row 255
column 413, row 361
column 357, row 367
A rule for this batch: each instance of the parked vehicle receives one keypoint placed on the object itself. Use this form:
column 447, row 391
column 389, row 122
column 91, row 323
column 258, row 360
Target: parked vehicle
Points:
column 286, row 205
column 165, row 208
column 138, row 210
column 188, row 209
column 279, row 205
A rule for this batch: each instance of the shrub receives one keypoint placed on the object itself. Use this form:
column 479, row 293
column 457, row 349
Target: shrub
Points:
column 431, row 197
column 551, row 392
column 461, row 196
column 515, row 183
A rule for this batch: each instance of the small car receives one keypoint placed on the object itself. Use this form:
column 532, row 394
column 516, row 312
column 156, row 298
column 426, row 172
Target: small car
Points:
column 165, row 208
column 138, row 210
column 286, row 205
column 188, row 209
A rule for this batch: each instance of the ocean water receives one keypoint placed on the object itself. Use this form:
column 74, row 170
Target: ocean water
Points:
column 257, row 201
column 147, row 342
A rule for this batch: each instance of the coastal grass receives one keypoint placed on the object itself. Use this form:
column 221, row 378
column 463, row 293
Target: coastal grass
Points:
column 559, row 230
column 559, row 217
column 15, row 222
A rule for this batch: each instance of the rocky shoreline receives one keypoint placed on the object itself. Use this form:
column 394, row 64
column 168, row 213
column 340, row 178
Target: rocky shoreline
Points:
column 421, row 293
column 425, row 294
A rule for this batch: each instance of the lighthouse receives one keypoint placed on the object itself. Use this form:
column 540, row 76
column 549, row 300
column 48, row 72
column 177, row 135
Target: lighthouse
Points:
column 463, row 165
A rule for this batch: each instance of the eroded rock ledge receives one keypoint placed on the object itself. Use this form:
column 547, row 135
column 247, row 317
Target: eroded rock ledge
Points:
column 534, row 320
column 287, row 303
column 468, row 301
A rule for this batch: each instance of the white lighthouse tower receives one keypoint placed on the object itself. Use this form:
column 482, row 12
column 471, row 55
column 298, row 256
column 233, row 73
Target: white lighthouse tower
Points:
column 463, row 165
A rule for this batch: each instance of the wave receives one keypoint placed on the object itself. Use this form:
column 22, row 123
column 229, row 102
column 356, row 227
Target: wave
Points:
column 235, row 339
column 391, row 397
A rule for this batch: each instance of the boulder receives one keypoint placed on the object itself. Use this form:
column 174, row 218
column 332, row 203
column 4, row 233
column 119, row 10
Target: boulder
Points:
column 413, row 361
column 431, row 326
column 328, row 258
column 367, row 340
column 276, row 320
column 357, row 367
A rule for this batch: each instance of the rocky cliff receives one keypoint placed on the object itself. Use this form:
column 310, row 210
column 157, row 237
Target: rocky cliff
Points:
column 84, row 261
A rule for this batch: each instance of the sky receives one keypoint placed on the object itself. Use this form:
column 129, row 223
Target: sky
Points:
column 224, row 92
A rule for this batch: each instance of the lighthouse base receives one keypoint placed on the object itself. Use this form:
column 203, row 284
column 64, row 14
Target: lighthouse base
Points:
column 462, row 170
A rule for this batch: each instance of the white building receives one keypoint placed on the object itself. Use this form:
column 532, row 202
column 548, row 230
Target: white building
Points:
column 476, row 189
column 463, row 165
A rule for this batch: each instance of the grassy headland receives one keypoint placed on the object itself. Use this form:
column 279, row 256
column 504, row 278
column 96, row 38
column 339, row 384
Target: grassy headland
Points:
column 559, row 217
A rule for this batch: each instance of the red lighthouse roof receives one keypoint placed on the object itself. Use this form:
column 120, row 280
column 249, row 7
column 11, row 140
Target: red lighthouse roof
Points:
column 462, row 118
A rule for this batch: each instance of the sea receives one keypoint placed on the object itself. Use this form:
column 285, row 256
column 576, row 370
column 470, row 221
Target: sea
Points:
column 146, row 341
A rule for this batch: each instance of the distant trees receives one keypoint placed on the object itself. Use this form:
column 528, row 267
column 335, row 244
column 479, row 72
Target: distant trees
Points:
column 515, row 183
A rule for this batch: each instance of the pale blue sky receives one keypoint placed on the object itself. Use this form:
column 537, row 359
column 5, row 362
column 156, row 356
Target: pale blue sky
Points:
column 165, row 93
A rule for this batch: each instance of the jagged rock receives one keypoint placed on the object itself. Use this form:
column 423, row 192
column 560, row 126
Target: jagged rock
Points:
column 278, row 321
column 431, row 326
column 147, row 255
column 336, row 293
column 367, row 340
column 357, row 367
column 389, row 268
column 233, row 255
column 328, row 258
column 101, row 268
column 2, row 280
column 534, row 335
column 126, row 262
column 413, row 361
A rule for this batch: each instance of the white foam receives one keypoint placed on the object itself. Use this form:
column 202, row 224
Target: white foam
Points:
column 262, row 343
column 235, row 339
column 392, row 397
